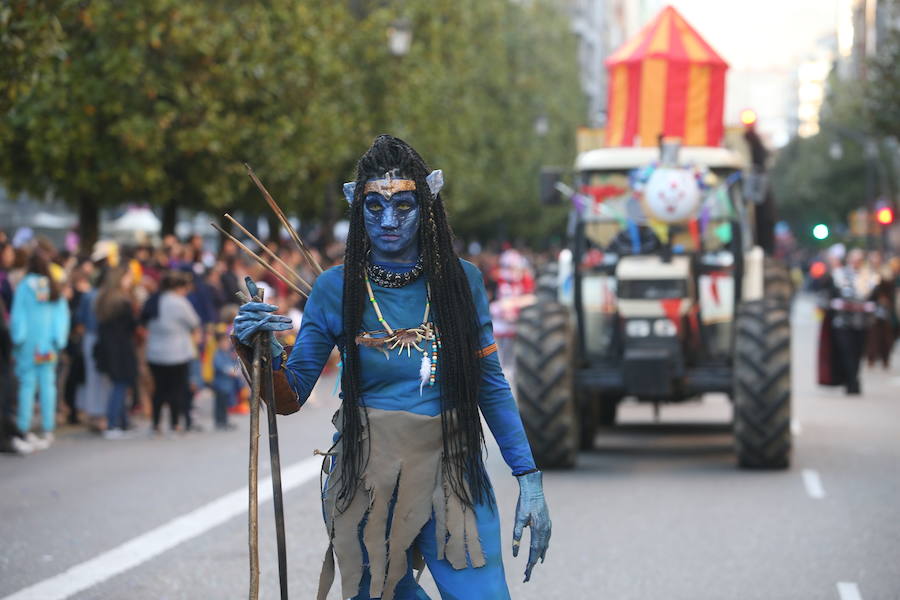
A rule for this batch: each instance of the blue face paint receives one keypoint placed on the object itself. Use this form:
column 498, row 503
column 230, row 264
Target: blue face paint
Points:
column 393, row 226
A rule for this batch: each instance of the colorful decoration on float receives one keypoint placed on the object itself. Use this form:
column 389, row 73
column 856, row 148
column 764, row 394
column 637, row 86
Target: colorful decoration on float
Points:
column 685, row 198
column 671, row 195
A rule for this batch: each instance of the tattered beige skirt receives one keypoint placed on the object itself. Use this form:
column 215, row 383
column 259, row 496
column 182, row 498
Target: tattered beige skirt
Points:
column 403, row 477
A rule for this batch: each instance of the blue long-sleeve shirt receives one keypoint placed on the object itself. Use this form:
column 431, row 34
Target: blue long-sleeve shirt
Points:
column 393, row 383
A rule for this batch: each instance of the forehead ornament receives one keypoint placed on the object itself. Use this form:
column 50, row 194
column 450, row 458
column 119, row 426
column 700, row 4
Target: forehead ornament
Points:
column 389, row 184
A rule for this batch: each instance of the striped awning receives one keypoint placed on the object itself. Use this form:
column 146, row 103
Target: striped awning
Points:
column 666, row 80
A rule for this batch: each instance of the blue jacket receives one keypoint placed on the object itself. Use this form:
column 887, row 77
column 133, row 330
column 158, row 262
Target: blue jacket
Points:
column 37, row 324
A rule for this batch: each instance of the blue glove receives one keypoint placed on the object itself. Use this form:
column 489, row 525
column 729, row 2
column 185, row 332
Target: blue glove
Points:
column 531, row 511
column 255, row 317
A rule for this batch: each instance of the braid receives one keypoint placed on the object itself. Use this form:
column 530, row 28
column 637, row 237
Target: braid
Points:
column 354, row 456
column 455, row 318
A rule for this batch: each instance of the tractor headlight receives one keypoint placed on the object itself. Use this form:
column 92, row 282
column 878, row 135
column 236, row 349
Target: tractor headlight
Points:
column 637, row 328
column 664, row 328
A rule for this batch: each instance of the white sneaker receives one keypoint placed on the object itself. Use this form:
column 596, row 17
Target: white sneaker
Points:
column 37, row 443
column 48, row 438
column 20, row 446
column 113, row 434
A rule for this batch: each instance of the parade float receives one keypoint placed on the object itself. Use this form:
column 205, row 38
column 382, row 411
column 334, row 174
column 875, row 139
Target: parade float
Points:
column 663, row 293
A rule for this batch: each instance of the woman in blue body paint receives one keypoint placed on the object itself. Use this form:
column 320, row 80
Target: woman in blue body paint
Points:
column 406, row 485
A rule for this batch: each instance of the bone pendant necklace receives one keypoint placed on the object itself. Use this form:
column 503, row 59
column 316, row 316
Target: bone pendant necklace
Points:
column 405, row 339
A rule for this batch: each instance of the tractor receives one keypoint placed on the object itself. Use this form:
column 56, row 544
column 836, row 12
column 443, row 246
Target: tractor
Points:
column 662, row 294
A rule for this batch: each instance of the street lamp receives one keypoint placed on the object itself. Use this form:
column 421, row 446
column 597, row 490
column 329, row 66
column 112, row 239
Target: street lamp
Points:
column 399, row 37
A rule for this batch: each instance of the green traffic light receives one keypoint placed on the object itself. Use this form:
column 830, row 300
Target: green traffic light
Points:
column 820, row 231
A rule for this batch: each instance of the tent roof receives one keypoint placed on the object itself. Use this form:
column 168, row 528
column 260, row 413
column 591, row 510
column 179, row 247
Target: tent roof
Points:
column 137, row 219
column 668, row 36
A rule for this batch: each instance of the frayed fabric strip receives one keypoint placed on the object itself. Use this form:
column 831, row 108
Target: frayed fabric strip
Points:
column 403, row 485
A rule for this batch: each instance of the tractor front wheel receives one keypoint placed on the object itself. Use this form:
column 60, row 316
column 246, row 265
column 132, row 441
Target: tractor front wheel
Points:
column 762, row 385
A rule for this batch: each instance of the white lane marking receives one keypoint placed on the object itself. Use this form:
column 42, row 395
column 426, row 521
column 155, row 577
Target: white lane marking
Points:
column 813, row 484
column 165, row 537
column 796, row 428
column 848, row 590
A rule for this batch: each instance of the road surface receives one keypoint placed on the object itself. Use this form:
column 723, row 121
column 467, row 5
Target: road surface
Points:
column 656, row 511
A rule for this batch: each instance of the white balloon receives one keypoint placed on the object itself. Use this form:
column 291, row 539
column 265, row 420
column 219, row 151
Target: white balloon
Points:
column 671, row 195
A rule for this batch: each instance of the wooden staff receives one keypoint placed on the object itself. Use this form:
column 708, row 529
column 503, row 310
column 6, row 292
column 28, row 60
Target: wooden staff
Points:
column 277, row 259
column 268, row 390
column 255, row 390
column 257, row 258
column 284, row 221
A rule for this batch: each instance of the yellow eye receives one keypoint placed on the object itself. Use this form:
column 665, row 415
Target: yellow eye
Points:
column 374, row 207
column 404, row 205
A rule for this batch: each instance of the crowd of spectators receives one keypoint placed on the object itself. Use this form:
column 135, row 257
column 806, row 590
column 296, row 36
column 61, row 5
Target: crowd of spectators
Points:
column 134, row 333
column 121, row 332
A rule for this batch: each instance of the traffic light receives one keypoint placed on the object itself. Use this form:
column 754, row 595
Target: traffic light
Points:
column 885, row 215
column 820, row 231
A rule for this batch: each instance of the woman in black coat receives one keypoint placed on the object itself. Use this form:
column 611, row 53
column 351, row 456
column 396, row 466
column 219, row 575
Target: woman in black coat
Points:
column 115, row 350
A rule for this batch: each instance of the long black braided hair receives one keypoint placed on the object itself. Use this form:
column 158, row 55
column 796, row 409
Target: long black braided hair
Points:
column 454, row 315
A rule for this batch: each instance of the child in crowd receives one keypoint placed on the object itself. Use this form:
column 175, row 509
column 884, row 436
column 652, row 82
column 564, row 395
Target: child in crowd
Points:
column 227, row 380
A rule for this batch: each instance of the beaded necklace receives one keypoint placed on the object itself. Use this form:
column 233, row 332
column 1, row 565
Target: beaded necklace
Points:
column 406, row 339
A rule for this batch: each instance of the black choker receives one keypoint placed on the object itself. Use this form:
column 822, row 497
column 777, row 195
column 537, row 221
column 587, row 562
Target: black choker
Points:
column 385, row 278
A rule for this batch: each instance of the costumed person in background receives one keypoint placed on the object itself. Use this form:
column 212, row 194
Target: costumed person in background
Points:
column 880, row 337
column 847, row 298
column 515, row 289
column 406, row 479
column 39, row 327
column 11, row 439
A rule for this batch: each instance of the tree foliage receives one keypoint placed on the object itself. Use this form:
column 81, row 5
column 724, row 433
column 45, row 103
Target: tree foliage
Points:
column 882, row 108
column 162, row 101
column 812, row 187
column 851, row 162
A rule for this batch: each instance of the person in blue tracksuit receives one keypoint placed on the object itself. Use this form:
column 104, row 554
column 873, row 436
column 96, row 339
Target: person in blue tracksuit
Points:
column 406, row 481
column 39, row 328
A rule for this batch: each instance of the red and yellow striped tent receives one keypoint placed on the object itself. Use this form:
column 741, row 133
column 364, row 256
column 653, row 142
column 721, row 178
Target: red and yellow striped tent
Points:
column 666, row 80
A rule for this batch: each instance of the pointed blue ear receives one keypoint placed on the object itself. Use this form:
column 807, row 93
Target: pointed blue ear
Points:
column 435, row 181
column 349, row 190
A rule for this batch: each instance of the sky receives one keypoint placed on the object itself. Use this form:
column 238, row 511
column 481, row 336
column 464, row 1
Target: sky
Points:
column 763, row 41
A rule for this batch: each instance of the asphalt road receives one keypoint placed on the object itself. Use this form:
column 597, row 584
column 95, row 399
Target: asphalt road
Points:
column 656, row 511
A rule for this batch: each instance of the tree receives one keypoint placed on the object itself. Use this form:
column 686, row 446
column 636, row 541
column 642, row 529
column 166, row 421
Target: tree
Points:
column 843, row 168
column 812, row 187
column 883, row 89
column 162, row 101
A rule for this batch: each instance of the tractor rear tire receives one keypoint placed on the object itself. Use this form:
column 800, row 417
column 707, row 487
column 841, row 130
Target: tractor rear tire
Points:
column 762, row 384
column 546, row 287
column 544, row 384
column 778, row 284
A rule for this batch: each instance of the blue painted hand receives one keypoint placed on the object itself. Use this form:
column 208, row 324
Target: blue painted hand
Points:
column 532, row 511
column 255, row 317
